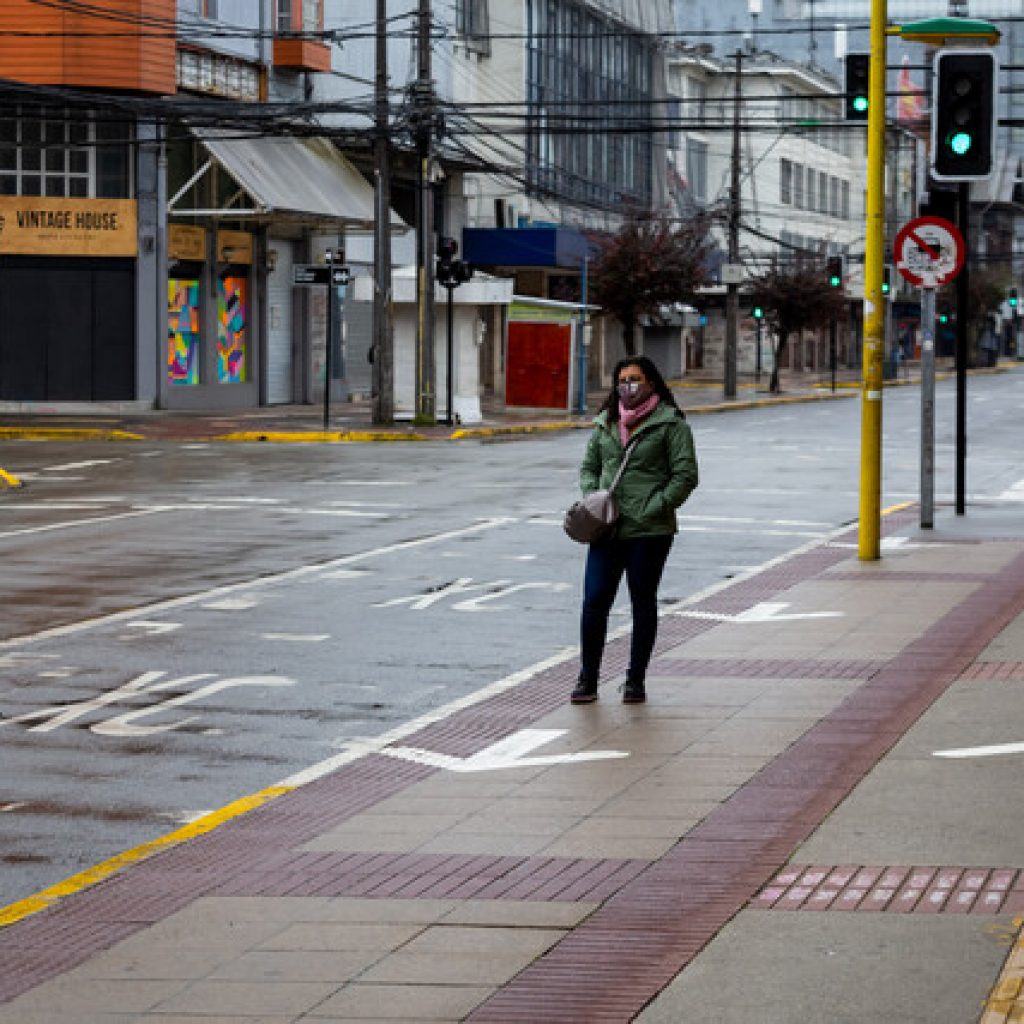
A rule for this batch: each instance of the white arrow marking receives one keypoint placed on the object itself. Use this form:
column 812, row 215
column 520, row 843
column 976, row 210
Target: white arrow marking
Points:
column 506, row 753
column 766, row 611
column 992, row 751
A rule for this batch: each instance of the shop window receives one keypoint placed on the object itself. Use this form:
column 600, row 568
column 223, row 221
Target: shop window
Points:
column 48, row 152
column 232, row 316
column 183, row 327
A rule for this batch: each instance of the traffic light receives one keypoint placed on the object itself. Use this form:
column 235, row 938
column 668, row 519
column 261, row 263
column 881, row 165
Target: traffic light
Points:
column 855, row 96
column 887, row 281
column 446, row 251
column 963, row 114
column 835, row 271
column 758, row 313
column 1012, row 300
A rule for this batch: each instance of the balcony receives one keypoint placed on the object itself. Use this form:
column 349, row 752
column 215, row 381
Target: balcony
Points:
column 300, row 54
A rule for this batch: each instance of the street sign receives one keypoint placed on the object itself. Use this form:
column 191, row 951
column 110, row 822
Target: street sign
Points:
column 320, row 273
column 929, row 252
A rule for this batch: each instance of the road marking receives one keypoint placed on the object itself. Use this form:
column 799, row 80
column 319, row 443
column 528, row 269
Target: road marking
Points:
column 298, row 638
column 80, row 522
column 507, row 753
column 1015, row 492
column 261, row 581
column 147, row 684
column 150, row 628
column 496, row 589
column 766, row 611
column 87, row 464
column 345, row 574
column 232, row 604
column 994, row 750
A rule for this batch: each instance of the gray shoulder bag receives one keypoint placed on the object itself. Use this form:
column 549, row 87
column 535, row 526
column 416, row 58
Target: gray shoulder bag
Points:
column 593, row 518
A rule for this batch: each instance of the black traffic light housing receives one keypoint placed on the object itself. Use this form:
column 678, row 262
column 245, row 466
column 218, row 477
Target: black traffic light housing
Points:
column 758, row 313
column 963, row 114
column 834, row 271
column 887, row 281
column 451, row 272
column 856, row 84
column 1013, row 301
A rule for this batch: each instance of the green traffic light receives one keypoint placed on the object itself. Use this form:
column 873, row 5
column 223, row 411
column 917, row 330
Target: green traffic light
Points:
column 758, row 312
column 960, row 143
column 860, row 104
column 943, row 319
column 834, row 281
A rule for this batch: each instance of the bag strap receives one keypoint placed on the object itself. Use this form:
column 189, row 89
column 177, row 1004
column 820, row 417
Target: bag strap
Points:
column 622, row 465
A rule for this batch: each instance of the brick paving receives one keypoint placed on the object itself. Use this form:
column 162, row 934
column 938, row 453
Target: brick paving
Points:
column 741, row 756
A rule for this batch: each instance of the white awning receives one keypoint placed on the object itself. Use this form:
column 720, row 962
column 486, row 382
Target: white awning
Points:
column 306, row 178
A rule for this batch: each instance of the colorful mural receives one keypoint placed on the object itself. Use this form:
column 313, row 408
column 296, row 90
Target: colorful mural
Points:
column 182, row 331
column 231, row 323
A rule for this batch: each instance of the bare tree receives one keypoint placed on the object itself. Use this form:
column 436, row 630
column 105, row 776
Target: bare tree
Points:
column 795, row 298
column 652, row 261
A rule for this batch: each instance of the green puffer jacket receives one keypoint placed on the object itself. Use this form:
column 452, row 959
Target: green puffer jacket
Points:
column 660, row 474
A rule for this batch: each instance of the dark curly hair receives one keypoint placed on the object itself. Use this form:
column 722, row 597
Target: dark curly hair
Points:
column 651, row 372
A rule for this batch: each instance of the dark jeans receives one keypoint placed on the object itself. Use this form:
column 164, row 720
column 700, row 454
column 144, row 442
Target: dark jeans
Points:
column 642, row 559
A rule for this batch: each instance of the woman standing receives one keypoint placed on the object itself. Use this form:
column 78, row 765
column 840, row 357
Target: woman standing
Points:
column 659, row 477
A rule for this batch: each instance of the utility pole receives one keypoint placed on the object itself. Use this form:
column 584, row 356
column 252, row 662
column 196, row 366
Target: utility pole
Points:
column 426, row 391
column 383, row 310
column 963, row 300
column 732, row 297
column 869, row 538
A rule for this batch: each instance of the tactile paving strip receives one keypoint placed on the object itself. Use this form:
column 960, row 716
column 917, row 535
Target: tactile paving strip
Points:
column 894, row 890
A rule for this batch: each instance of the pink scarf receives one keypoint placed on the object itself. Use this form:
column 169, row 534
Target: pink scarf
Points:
column 629, row 419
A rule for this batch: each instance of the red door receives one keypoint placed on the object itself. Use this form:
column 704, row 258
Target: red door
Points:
column 537, row 375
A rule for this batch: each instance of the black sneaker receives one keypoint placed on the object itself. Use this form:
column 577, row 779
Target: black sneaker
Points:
column 585, row 692
column 633, row 693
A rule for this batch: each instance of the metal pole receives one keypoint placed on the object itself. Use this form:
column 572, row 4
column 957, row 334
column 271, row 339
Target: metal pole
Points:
column 963, row 283
column 927, row 408
column 757, row 354
column 426, row 408
column 732, row 297
column 451, row 358
column 870, row 522
column 383, row 312
column 330, row 338
column 582, row 342
column 833, row 353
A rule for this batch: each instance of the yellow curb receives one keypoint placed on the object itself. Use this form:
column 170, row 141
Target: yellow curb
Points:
column 8, row 479
column 67, row 434
column 318, row 435
column 1003, row 998
column 520, row 428
column 91, row 876
column 757, row 403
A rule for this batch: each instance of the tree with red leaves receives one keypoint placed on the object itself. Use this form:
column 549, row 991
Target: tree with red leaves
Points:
column 651, row 262
column 795, row 297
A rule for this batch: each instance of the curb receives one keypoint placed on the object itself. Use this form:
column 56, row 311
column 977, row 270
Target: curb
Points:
column 67, row 434
column 315, row 435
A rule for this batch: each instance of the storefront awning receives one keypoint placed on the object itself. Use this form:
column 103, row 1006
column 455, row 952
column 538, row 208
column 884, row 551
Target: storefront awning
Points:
column 306, row 178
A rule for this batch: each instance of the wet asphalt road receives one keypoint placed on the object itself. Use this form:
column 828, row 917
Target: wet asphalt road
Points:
column 184, row 624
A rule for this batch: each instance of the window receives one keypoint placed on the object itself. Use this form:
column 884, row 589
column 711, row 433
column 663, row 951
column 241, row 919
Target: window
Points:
column 581, row 65
column 835, row 208
column 697, row 169
column 63, row 153
column 822, row 192
column 299, row 16
column 786, row 181
column 845, row 198
column 473, row 23
column 798, row 186
column 697, row 94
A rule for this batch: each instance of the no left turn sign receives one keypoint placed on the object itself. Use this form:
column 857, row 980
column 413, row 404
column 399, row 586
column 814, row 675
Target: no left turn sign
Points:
column 929, row 251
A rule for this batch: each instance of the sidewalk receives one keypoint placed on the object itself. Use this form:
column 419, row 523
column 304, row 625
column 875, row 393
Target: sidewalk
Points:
column 771, row 839
column 352, row 421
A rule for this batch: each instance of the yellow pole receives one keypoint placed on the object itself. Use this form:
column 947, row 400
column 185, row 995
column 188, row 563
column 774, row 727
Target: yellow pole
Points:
column 874, row 304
